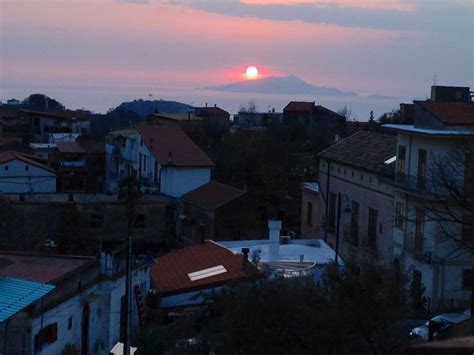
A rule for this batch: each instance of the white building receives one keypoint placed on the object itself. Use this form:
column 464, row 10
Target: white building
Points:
column 431, row 248
column 281, row 255
column 163, row 157
column 20, row 173
column 83, row 311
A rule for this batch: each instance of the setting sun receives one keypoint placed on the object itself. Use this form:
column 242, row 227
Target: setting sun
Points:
column 251, row 72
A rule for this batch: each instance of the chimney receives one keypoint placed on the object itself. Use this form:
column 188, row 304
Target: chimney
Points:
column 170, row 159
column 206, row 104
column 215, row 105
column 245, row 259
column 274, row 229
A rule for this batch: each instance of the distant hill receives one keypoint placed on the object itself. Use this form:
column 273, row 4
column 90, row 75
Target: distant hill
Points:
column 144, row 108
column 288, row 85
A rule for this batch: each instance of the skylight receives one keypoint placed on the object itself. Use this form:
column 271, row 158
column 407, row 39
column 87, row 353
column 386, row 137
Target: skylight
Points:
column 202, row 274
column 391, row 160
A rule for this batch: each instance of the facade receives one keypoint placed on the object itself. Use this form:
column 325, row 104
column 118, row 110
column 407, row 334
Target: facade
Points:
column 311, row 115
column 220, row 212
column 84, row 308
column 23, row 174
column 429, row 242
column 309, row 209
column 69, row 160
column 181, row 277
column 164, row 158
column 44, row 123
column 257, row 119
column 95, row 162
column 214, row 115
column 81, row 223
column 355, row 168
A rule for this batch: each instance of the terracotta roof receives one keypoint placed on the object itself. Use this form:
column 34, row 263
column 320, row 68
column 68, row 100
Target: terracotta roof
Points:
column 10, row 155
column 170, row 273
column 450, row 113
column 363, row 150
column 70, row 147
column 299, row 106
column 210, row 110
column 213, row 195
column 79, row 115
column 39, row 268
column 171, row 143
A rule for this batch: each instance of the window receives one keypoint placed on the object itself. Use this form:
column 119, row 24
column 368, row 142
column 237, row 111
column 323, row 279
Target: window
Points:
column 27, row 168
column 69, row 323
column 338, row 170
column 332, row 210
column 345, row 172
column 362, row 176
column 6, row 167
column 332, row 167
column 468, row 229
column 96, row 221
column 309, row 214
column 144, row 162
column 372, row 233
column 261, row 213
column 420, row 179
column 419, row 230
column 355, row 222
column 399, row 215
column 352, row 174
column 401, row 159
column 468, row 279
column 47, row 335
column 139, row 221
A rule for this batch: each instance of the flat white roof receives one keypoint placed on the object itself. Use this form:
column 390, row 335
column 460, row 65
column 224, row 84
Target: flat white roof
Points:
column 432, row 132
column 313, row 250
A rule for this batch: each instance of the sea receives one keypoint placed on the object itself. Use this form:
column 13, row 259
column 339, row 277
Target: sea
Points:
column 100, row 99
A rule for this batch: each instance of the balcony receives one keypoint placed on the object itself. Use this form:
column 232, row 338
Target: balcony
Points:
column 288, row 269
column 408, row 183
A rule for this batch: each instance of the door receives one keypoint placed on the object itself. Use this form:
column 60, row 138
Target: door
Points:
column 420, row 179
column 355, row 223
column 85, row 329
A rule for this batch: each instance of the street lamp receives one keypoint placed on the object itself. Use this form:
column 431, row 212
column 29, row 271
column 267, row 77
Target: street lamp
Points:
column 347, row 209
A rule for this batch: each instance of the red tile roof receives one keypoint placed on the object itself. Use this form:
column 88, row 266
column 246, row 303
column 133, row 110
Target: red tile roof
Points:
column 213, row 195
column 210, row 110
column 170, row 273
column 299, row 106
column 450, row 113
column 70, row 147
column 10, row 155
column 40, row 268
column 169, row 142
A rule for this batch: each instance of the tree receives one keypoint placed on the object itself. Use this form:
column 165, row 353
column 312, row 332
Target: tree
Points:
column 250, row 108
column 41, row 102
column 357, row 310
column 346, row 113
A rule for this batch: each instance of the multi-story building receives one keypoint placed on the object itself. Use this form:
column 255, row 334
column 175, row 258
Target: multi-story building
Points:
column 431, row 235
column 351, row 173
column 164, row 158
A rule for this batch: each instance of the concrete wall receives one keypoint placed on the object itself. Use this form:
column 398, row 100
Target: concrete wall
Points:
column 18, row 180
column 178, row 181
column 370, row 192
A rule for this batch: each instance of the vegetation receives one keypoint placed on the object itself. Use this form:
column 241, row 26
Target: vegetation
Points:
column 358, row 311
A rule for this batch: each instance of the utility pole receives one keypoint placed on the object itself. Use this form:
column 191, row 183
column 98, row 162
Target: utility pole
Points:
column 337, row 226
column 126, row 341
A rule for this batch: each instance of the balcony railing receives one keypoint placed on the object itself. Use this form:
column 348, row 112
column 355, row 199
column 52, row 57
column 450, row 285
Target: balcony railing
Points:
column 289, row 269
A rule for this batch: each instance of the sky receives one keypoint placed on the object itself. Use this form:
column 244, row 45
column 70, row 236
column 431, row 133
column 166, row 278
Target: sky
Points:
column 392, row 47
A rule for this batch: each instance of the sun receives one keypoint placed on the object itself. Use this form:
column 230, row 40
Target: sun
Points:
column 251, row 73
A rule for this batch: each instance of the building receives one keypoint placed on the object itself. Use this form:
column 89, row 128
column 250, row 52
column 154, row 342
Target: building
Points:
column 355, row 169
column 313, row 116
column 69, row 161
column 164, row 158
column 82, row 309
column 283, row 256
column 221, row 212
column 175, row 119
column 309, row 209
column 214, row 115
column 95, row 162
column 432, row 225
column 180, row 278
column 24, row 174
column 67, row 122
column 82, row 223
column 248, row 120
column 13, row 143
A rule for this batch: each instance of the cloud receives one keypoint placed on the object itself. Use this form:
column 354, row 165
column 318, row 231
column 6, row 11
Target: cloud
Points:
column 433, row 16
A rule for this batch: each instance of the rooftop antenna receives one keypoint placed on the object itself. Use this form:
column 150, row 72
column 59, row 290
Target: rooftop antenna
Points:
column 434, row 79
column 149, row 97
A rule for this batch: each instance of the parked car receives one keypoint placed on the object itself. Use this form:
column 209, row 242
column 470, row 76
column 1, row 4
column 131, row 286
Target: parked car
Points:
column 439, row 324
